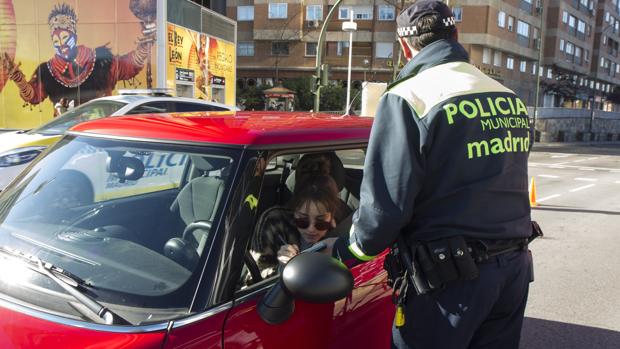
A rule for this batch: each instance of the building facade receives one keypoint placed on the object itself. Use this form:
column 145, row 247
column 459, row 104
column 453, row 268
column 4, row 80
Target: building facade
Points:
column 575, row 41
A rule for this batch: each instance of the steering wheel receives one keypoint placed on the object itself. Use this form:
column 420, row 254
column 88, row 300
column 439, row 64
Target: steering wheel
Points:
column 189, row 230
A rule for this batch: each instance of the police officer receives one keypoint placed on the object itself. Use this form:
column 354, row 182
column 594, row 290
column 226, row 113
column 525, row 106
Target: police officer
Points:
column 446, row 171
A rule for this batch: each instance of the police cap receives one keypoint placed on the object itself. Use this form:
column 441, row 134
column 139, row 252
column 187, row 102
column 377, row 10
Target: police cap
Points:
column 407, row 21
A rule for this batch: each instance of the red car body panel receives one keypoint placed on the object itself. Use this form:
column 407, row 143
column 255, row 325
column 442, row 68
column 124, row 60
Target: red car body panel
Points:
column 18, row 330
column 240, row 128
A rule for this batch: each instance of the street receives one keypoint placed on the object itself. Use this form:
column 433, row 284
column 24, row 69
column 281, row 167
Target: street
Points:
column 574, row 301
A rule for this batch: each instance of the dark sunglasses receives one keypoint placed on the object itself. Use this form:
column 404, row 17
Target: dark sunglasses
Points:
column 304, row 223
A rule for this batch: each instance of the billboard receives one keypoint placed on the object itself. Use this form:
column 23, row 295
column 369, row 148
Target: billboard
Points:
column 74, row 50
column 199, row 65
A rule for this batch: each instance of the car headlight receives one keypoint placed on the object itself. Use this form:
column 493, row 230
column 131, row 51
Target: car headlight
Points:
column 19, row 156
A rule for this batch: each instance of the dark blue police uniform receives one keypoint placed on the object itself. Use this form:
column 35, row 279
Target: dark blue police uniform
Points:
column 447, row 158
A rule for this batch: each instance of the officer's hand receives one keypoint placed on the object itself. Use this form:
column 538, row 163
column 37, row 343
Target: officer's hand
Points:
column 286, row 252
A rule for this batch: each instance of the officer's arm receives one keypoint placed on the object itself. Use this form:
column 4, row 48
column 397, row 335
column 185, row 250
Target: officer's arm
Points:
column 393, row 173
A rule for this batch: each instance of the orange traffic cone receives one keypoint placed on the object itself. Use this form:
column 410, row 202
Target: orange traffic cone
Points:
column 533, row 193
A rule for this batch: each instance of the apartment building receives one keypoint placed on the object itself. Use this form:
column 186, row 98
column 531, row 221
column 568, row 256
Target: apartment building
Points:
column 277, row 39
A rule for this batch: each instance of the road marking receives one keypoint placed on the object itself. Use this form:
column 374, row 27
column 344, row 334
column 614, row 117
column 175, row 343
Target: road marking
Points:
column 547, row 176
column 617, row 182
column 586, row 169
column 561, row 156
column 579, row 167
column 594, row 158
column 586, row 179
column 582, row 188
column 548, row 197
column 580, row 160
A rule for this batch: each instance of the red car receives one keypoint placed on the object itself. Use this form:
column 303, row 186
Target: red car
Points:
column 134, row 232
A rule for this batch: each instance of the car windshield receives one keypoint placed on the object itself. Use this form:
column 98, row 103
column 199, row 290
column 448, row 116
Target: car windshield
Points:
column 85, row 112
column 131, row 219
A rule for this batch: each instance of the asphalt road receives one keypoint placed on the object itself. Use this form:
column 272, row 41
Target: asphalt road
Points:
column 575, row 300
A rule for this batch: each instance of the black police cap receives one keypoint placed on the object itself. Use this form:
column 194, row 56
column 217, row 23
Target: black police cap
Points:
column 407, row 21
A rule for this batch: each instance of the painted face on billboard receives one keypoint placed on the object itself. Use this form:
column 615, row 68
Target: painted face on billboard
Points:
column 65, row 43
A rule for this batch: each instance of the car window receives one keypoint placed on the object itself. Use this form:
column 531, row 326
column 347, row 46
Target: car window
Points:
column 111, row 212
column 191, row 107
column 85, row 112
column 150, row 108
column 275, row 224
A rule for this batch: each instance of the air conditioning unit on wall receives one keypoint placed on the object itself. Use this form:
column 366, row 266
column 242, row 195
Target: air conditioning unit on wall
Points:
column 313, row 24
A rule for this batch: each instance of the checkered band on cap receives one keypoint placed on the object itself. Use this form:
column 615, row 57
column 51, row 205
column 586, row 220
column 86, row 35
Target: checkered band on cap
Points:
column 407, row 21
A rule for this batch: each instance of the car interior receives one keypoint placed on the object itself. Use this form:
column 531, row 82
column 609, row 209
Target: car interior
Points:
column 278, row 187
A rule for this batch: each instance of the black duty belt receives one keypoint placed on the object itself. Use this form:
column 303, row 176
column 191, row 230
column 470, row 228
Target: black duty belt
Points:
column 483, row 249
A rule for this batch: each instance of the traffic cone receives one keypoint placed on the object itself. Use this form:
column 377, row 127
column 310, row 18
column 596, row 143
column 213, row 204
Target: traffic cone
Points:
column 533, row 193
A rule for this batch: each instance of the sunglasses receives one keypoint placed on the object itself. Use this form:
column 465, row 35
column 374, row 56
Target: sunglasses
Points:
column 304, row 223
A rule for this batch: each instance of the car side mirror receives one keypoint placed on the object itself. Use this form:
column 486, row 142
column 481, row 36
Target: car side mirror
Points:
column 126, row 168
column 311, row 277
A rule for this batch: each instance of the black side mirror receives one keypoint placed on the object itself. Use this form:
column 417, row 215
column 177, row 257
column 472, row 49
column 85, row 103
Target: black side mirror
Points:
column 311, row 277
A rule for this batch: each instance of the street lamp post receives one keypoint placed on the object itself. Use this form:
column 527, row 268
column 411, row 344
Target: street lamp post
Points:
column 350, row 27
column 319, row 54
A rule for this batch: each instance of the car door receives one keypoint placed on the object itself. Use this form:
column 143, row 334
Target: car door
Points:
column 363, row 319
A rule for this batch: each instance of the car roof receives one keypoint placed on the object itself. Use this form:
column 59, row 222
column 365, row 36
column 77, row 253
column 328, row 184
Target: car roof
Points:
column 131, row 99
column 242, row 128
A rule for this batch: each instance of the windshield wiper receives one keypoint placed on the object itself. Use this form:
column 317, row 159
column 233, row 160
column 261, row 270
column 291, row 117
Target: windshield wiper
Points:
column 70, row 283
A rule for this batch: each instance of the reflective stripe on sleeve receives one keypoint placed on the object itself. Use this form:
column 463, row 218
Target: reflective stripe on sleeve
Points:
column 356, row 251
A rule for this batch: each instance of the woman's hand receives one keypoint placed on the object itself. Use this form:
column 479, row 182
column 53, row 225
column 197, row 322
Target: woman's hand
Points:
column 286, row 252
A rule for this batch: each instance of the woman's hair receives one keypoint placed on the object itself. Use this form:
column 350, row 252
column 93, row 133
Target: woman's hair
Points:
column 321, row 189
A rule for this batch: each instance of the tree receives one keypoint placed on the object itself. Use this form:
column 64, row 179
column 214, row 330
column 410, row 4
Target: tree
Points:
column 252, row 98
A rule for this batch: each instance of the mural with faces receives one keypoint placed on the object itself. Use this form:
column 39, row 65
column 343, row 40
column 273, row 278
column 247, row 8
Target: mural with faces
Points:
column 73, row 49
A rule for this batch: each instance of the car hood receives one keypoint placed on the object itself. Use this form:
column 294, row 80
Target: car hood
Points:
column 25, row 329
column 15, row 140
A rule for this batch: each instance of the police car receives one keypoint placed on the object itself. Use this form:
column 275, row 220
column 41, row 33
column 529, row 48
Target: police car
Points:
column 18, row 148
column 134, row 231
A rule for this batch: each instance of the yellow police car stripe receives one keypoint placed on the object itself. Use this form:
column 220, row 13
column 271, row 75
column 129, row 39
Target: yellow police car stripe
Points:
column 435, row 85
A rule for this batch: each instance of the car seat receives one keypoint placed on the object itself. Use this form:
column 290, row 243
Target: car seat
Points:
column 196, row 204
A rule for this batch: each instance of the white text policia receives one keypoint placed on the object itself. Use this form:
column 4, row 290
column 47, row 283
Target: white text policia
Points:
column 506, row 112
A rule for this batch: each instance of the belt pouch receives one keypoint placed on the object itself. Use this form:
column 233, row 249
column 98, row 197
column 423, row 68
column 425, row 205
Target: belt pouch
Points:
column 425, row 262
column 467, row 268
column 442, row 258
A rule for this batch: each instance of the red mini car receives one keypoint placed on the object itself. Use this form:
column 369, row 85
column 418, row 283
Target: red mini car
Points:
column 135, row 232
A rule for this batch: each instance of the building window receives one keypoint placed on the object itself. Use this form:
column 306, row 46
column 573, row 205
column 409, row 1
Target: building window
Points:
column 570, row 48
column 540, row 71
column 497, row 59
column 562, row 45
column 510, row 63
column 486, row 55
column 549, row 73
column 523, row 66
column 501, row 19
column 342, row 45
column 604, row 39
column 386, row 13
column 360, row 12
column 581, row 26
column 245, row 13
column 279, row 48
column 384, row 49
column 534, row 66
column 523, row 29
column 245, row 49
column 311, row 49
column 602, row 62
column 458, row 13
column 572, row 21
column 314, row 13
column 564, row 17
column 586, row 55
column 277, row 11
column 607, row 17
column 511, row 23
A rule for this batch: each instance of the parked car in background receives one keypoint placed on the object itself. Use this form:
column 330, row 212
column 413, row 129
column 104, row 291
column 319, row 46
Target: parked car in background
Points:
column 134, row 232
column 18, row 148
